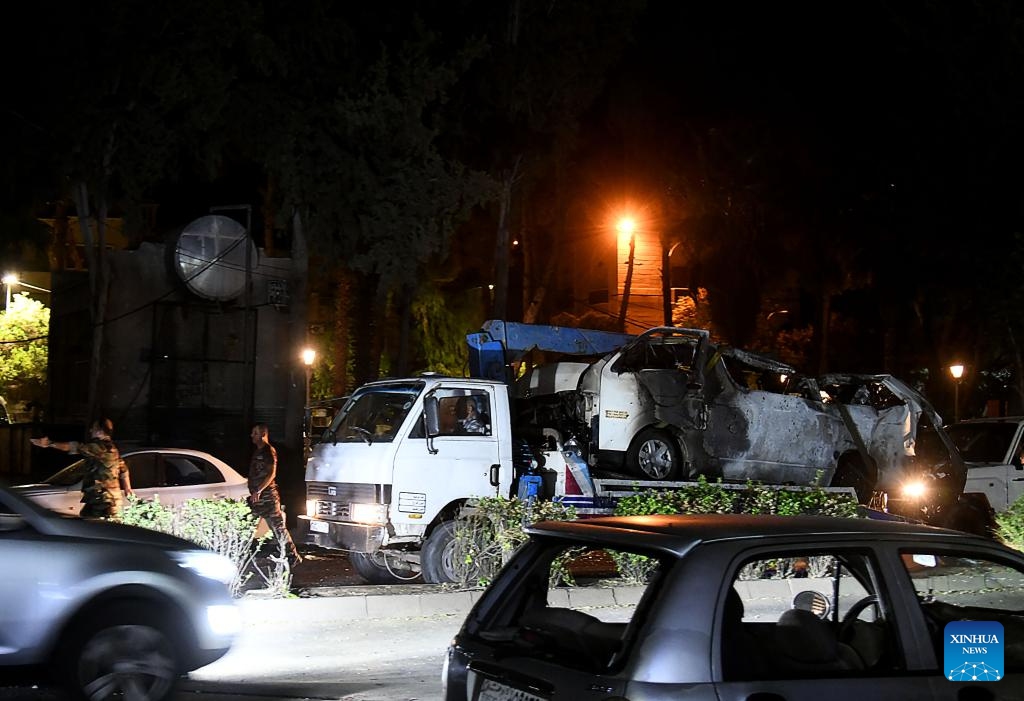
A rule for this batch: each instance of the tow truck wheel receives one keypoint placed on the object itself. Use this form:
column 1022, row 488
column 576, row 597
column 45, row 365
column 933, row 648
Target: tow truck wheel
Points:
column 373, row 568
column 438, row 555
column 654, row 455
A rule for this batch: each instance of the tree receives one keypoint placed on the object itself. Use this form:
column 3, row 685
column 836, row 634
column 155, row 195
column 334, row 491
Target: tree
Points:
column 23, row 347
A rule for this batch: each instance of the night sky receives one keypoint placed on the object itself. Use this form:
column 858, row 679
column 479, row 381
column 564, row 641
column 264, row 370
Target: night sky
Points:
column 861, row 158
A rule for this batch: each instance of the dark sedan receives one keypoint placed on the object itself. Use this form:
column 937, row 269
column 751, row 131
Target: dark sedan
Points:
column 735, row 608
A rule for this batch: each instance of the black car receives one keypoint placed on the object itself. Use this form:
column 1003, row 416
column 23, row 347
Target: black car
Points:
column 739, row 607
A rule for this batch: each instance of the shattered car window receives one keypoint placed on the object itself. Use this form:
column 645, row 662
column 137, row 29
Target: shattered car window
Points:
column 658, row 353
column 859, row 391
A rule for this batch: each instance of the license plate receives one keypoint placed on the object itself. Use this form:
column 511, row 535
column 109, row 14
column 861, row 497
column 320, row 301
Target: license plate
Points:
column 319, row 526
column 492, row 690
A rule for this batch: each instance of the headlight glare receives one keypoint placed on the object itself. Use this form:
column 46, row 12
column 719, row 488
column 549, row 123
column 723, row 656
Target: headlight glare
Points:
column 223, row 619
column 207, row 564
column 368, row 513
column 915, row 490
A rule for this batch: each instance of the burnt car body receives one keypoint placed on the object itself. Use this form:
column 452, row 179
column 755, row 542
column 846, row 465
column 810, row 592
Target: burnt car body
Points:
column 743, row 607
column 671, row 404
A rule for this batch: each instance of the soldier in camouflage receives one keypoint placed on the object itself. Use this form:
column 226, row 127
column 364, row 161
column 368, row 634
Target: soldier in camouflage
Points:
column 106, row 476
column 264, row 499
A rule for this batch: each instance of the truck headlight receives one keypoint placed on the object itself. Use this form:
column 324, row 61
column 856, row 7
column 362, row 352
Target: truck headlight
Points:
column 915, row 489
column 368, row 513
column 311, row 507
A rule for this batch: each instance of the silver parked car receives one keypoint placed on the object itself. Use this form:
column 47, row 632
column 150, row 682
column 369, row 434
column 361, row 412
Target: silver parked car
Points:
column 172, row 475
column 111, row 611
column 741, row 607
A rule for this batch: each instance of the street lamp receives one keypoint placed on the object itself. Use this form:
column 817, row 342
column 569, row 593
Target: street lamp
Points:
column 957, row 371
column 10, row 280
column 308, row 358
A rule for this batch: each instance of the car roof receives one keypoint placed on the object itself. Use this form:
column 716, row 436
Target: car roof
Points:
column 679, row 533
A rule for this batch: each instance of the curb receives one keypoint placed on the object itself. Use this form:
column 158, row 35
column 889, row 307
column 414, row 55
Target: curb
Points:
column 356, row 603
column 424, row 600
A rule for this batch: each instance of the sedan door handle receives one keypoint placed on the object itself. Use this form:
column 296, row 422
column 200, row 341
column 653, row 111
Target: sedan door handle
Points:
column 765, row 696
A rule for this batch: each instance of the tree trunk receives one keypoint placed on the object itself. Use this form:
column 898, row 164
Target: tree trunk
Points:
column 368, row 342
column 295, row 405
column 826, row 313
column 501, row 251
column 402, row 360
column 96, row 260
column 537, row 298
column 501, row 245
column 343, row 291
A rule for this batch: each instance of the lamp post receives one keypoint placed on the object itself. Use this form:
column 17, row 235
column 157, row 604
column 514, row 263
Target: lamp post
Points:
column 308, row 358
column 627, row 227
column 9, row 280
column 957, row 371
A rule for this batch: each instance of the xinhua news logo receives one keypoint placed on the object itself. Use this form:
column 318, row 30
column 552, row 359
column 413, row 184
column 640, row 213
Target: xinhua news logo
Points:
column 974, row 651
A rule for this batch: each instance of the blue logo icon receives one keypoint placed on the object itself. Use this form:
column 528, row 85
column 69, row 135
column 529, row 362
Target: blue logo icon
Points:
column 973, row 651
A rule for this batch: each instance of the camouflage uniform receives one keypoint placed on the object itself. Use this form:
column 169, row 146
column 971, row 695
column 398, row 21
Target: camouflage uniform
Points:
column 101, row 483
column 268, row 506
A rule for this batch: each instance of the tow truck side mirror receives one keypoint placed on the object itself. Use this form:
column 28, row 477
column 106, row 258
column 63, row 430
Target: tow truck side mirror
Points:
column 431, row 417
column 431, row 422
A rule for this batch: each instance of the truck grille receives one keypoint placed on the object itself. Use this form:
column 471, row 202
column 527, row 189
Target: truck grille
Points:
column 336, row 506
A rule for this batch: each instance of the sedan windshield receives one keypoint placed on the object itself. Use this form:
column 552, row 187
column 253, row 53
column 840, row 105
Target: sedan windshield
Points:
column 374, row 414
column 70, row 475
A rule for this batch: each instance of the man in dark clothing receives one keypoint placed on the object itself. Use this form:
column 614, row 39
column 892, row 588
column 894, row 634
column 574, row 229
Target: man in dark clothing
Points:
column 264, row 499
column 105, row 478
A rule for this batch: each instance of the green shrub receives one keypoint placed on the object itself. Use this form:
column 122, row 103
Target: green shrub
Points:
column 490, row 529
column 226, row 526
column 1010, row 525
column 715, row 498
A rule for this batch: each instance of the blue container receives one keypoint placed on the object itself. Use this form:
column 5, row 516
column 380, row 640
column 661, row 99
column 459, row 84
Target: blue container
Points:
column 530, row 487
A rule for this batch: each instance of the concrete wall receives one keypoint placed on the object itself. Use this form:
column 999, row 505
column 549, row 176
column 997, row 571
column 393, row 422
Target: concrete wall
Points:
column 177, row 369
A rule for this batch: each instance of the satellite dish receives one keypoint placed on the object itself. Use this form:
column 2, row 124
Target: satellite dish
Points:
column 211, row 257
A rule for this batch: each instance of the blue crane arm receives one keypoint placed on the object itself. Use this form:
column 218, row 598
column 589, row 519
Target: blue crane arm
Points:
column 499, row 343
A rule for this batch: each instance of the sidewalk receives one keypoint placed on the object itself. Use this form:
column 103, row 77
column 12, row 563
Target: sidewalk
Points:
column 405, row 601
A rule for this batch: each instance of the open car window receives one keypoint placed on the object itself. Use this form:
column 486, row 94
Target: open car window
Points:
column 963, row 587
column 795, row 615
column 546, row 615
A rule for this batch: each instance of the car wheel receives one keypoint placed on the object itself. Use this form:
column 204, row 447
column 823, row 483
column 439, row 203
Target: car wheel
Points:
column 122, row 651
column 852, row 472
column 373, row 568
column 654, row 454
column 438, row 555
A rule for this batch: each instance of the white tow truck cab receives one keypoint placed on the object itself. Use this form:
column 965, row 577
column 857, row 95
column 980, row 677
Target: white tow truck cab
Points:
column 378, row 483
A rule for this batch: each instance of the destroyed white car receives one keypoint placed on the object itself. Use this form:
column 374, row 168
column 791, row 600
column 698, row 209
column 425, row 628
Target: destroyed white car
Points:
column 673, row 405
